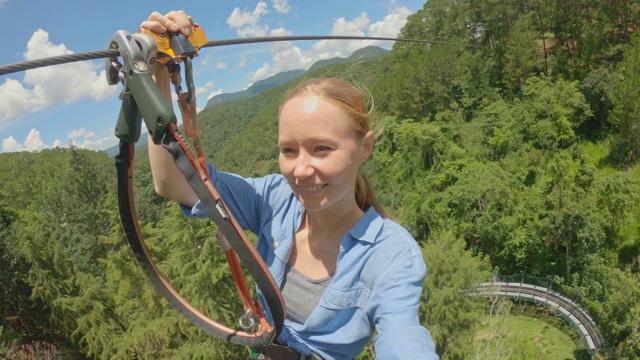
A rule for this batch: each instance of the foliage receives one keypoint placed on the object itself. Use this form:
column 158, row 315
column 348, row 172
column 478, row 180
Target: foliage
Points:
column 448, row 312
column 620, row 315
column 626, row 107
column 493, row 151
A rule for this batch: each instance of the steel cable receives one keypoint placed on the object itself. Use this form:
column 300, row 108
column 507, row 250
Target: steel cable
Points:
column 64, row 59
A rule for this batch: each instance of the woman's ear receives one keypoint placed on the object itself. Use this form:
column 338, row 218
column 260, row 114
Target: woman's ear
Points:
column 367, row 144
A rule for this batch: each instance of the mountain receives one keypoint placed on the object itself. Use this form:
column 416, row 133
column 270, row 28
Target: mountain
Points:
column 256, row 87
column 113, row 151
column 367, row 52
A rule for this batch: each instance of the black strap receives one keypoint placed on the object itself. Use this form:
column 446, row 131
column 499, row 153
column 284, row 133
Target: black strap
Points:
column 279, row 352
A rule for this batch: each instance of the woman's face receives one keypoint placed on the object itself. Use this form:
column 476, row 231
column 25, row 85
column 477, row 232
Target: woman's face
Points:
column 320, row 153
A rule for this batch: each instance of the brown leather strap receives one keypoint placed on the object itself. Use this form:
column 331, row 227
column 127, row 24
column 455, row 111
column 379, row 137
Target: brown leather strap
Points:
column 254, row 264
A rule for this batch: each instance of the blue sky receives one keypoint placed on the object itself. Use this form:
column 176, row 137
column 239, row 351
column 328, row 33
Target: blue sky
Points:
column 73, row 104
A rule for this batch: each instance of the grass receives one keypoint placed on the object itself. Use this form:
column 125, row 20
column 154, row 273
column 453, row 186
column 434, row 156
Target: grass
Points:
column 537, row 335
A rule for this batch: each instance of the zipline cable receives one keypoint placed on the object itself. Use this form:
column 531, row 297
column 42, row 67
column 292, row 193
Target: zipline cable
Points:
column 100, row 54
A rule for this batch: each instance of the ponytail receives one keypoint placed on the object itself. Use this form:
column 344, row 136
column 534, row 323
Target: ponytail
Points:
column 365, row 196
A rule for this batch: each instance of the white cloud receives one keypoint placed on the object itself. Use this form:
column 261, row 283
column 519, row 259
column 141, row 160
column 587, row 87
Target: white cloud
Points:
column 84, row 139
column 392, row 24
column 202, row 89
column 15, row 100
column 45, row 87
column 220, row 65
column 33, row 142
column 281, row 6
column 342, row 26
column 280, row 32
column 286, row 56
column 262, row 72
column 214, row 93
column 10, row 145
column 247, row 23
column 331, row 48
column 76, row 134
column 99, row 144
column 80, row 138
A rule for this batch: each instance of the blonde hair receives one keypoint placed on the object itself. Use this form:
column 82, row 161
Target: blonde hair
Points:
column 352, row 101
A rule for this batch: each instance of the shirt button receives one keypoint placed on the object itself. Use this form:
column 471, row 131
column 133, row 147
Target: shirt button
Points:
column 276, row 244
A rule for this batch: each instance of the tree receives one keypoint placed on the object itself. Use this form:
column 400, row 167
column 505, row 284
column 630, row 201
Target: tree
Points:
column 620, row 315
column 626, row 107
column 448, row 313
column 22, row 315
column 571, row 222
column 552, row 112
column 523, row 55
column 597, row 88
column 617, row 199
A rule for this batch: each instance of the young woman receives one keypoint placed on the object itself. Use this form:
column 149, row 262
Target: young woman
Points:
column 344, row 268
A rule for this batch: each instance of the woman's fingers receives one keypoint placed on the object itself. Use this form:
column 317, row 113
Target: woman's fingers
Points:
column 173, row 21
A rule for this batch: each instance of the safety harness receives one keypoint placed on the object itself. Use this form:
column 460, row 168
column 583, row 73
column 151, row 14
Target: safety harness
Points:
column 142, row 100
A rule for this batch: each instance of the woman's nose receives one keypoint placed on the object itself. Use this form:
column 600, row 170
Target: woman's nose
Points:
column 303, row 167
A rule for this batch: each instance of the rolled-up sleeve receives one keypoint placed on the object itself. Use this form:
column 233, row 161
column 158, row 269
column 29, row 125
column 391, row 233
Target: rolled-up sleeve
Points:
column 246, row 198
column 396, row 302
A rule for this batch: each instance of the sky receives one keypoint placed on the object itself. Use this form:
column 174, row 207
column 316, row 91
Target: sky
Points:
column 72, row 104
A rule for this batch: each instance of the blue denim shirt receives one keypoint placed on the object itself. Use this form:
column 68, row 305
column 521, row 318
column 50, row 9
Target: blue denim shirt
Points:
column 377, row 282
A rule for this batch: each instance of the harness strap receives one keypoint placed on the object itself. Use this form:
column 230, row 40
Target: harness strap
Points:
column 256, row 267
column 279, row 352
column 188, row 110
column 141, row 99
column 199, row 181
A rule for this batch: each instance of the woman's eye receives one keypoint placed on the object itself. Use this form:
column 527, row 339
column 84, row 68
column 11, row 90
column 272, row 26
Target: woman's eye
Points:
column 323, row 148
column 286, row 151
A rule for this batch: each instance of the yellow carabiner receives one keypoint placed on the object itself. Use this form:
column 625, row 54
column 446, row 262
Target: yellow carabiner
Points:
column 197, row 40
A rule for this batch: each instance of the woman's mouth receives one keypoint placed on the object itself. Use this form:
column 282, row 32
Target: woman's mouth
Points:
column 310, row 189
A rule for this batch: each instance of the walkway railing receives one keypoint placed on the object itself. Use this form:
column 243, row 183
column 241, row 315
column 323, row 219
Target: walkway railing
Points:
column 540, row 295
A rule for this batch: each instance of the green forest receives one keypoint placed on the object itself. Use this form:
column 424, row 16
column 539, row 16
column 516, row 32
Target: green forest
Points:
column 509, row 145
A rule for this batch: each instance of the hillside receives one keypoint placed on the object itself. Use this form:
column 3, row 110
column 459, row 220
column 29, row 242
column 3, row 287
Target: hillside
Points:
column 256, row 87
column 367, row 52
column 510, row 145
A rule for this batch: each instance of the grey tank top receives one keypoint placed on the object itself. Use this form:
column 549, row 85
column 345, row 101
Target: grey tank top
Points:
column 301, row 294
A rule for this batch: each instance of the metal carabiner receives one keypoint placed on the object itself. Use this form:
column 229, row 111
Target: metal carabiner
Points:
column 140, row 96
column 184, row 51
column 249, row 322
column 188, row 75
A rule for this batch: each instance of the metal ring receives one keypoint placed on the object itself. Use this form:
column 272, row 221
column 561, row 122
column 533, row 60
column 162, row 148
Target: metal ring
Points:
column 248, row 322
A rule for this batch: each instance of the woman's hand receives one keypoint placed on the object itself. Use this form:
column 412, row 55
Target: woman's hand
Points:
column 167, row 179
column 173, row 21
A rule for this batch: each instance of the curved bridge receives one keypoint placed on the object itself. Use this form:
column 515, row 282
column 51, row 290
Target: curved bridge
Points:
column 569, row 310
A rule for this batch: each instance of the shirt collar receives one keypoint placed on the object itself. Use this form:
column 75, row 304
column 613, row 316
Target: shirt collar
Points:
column 368, row 227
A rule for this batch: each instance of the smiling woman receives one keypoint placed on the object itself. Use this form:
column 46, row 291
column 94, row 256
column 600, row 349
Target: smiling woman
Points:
column 344, row 268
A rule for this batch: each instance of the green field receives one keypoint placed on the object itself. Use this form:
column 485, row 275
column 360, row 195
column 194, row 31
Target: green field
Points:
column 524, row 337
